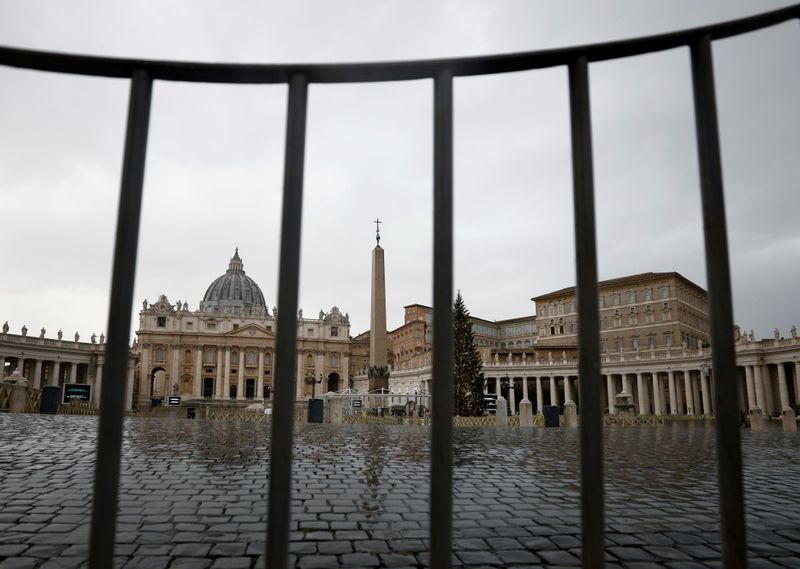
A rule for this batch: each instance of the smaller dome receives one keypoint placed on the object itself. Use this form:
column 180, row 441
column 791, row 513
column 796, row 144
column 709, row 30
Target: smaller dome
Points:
column 233, row 290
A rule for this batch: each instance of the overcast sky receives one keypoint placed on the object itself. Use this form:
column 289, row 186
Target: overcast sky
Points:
column 215, row 156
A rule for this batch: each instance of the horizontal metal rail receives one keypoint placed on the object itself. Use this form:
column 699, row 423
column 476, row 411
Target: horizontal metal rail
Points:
column 384, row 71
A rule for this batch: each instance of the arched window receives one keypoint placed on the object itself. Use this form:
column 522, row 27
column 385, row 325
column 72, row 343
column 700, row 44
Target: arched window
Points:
column 209, row 356
column 334, row 361
column 251, row 358
column 159, row 355
column 187, row 357
column 310, row 361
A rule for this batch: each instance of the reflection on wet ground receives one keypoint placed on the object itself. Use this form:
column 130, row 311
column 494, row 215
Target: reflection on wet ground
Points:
column 193, row 494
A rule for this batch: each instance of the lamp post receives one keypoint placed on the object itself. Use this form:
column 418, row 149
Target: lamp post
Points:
column 313, row 382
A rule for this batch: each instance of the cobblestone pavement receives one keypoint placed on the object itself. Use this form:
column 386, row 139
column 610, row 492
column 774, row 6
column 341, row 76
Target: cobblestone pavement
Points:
column 193, row 495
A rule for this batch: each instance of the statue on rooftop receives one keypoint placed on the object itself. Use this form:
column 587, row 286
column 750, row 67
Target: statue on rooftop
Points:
column 42, row 333
column 77, row 336
column 24, row 330
column 5, row 327
column 60, row 334
column 93, row 338
column 793, row 330
column 102, row 337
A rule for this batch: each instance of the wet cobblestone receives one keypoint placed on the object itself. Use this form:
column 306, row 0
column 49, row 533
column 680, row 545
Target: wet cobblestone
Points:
column 193, row 494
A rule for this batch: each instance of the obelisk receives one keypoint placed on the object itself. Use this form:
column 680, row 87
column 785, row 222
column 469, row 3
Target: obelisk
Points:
column 378, row 363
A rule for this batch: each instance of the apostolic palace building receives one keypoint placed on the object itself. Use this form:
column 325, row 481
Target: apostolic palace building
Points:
column 654, row 342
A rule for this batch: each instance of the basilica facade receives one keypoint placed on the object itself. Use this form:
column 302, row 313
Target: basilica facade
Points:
column 225, row 350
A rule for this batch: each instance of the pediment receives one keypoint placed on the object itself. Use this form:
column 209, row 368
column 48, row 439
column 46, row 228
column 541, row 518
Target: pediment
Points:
column 251, row 331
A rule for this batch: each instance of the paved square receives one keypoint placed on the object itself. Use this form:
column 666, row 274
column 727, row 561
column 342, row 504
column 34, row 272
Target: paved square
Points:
column 193, row 494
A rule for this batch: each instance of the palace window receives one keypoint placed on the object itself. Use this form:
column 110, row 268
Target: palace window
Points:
column 310, row 331
column 618, row 344
column 267, row 359
column 561, row 308
column 635, row 343
column 187, row 357
column 602, row 323
column 310, row 361
column 235, row 326
column 664, row 291
column 604, row 345
column 189, row 325
column 648, row 294
column 211, row 325
column 334, row 361
column 334, row 331
column 631, row 297
column 668, row 339
column 541, row 311
column 651, row 341
column 209, row 356
column 601, row 301
column 552, row 310
column 571, row 307
column 572, row 327
column 251, row 358
column 159, row 355
column 161, row 321
column 615, row 299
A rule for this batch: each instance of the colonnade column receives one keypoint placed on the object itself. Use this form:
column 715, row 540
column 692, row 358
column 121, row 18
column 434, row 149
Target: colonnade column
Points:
column 98, row 384
column 512, row 403
column 37, row 374
column 57, row 371
column 539, row 397
column 144, row 375
column 705, row 394
column 656, row 394
column 226, row 386
column 567, row 389
column 783, row 388
column 73, row 372
column 760, row 402
column 497, row 386
column 198, row 372
column 640, row 392
column 2, row 366
column 241, row 379
column 525, row 389
column 797, row 383
column 673, row 395
column 260, row 377
column 300, row 384
column 610, row 389
column 626, row 384
column 687, row 380
column 553, row 391
column 218, row 385
column 752, row 402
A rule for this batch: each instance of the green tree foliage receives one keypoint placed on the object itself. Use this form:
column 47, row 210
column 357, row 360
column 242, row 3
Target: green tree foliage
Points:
column 468, row 382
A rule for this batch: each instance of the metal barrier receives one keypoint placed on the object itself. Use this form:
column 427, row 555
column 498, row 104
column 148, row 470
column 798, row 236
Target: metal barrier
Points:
column 441, row 71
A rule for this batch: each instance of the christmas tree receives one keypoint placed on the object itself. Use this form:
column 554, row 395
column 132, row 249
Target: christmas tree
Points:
column 468, row 380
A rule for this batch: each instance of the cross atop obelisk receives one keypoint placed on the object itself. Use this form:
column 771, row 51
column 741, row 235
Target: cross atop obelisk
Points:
column 377, row 223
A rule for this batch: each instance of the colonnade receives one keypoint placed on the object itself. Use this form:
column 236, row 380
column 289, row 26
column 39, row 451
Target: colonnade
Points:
column 57, row 371
column 675, row 391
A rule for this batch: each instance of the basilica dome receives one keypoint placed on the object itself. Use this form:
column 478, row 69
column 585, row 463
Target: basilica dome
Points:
column 234, row 291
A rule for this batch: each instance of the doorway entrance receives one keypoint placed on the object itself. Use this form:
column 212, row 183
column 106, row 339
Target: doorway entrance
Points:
column 208, row 387
column 250, row 389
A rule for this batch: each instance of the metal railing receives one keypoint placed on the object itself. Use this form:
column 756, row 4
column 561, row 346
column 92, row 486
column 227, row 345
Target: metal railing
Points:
column 441, row 71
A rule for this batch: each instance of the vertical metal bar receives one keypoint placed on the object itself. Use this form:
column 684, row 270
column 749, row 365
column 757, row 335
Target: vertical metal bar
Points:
column 590, row 390
column 112, row 397
column 282, row 434
column 729, row 452
column 442, row 429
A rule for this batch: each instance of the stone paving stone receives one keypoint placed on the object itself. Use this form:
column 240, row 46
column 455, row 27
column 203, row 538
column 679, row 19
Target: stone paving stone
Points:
column 190, row 563
column 232, row 563
column 19, row 563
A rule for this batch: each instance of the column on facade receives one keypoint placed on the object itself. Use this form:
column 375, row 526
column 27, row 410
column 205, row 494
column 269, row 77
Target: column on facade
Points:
column 73, row 372
column 37, row 374
column 539, row 397
column 2, row 366
column 226, row 377
column 144, row 374
column 175, row 374
column 260, row 376
column 705, row 394
column 640, row 392
column 610, row 392
column 567, row 389
column 497, row 386
column 769, row 398
column 626, row 383
column 759, row 385
column 553, row 391
column 319, row 370
column 656, row 394
column 673, row 395
column 525, row 389
column 129, row 385
column 687, row 379
column 198, row 372
column 696, row 398
column 752, row 403
column 783, row 387
column 512, row 403
column 218, row 384
column 242, row 380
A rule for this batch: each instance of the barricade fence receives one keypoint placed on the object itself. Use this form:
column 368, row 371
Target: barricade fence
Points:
column 442, row 73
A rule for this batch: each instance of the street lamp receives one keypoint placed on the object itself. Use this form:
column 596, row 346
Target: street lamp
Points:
column 313, row 382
